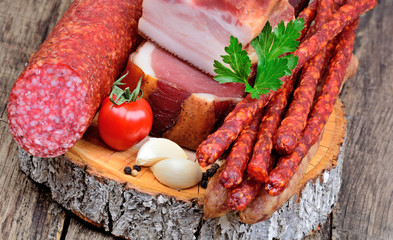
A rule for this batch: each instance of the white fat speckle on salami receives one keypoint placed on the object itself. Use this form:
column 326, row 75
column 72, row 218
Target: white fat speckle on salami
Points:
column 49, row 125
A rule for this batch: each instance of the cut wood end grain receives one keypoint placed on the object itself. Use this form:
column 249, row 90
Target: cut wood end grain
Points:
column 105, row 163
column 89, row 181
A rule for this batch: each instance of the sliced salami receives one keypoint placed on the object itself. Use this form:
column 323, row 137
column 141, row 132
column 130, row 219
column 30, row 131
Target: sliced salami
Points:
column 55, row 98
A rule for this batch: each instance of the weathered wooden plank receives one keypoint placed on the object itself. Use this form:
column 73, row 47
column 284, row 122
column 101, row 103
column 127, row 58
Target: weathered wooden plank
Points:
column 323, row 233
column 24, row 26
column 26, row 209
column 365, row 209
column 78, row 229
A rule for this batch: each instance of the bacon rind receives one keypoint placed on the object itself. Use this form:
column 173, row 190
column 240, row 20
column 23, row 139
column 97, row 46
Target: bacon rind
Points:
column 280, row 176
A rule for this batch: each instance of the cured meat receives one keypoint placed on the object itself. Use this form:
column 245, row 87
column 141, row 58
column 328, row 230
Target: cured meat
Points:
column 308, row 14
column 344, row 16
column 295, row 120
column 186, row 103
column 260, row 163
column 282, row 11
column 350, row 73
column 264, row 205
column 55, row 98
column 280, row 176
column 237, row 160
column 202, row 40
column 217, row 142
column 243, row 194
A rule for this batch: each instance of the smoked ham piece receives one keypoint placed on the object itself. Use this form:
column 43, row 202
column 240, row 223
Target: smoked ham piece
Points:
column 198, row 30
column 186, row 103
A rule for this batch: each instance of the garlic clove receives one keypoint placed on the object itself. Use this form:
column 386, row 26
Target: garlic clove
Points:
column 157, row 149
column 177, row 173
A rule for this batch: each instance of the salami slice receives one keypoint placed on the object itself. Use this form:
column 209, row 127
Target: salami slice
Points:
column 55, row 98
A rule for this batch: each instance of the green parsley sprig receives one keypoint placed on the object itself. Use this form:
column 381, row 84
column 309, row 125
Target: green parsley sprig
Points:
column 274, row 62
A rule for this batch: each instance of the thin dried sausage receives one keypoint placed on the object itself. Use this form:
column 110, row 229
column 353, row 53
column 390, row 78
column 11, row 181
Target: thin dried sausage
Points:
column 280, row 176
column 243, row 194
column 308, row 14
column 260, row 163
column 216, row 143
column 295, row 120
column 344, row 16
column 237, row 160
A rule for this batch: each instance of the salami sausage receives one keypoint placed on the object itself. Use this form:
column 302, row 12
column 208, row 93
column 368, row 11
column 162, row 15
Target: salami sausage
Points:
column 280, row 176
column 237, row 160
column 259, row 165
column 295, row 120
column 55, row 98
column 216, row 143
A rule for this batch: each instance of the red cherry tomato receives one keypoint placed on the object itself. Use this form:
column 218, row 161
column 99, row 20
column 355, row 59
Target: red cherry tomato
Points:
column 123, row 126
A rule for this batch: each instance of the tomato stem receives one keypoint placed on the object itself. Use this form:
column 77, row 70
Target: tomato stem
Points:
column 119, row 96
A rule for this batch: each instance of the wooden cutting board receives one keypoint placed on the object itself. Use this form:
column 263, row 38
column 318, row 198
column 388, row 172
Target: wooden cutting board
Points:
column 89, row 181
column 105, row 162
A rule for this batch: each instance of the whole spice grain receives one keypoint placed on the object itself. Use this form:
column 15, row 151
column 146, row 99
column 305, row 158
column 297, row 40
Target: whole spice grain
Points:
column 127, row 170
column 136, row 167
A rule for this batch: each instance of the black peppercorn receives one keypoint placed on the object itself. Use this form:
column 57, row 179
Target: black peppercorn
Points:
column 204, row 176
column 204, row 184
column 210, row 172
column 127, row 170
column 136, row 167
column 215, row 166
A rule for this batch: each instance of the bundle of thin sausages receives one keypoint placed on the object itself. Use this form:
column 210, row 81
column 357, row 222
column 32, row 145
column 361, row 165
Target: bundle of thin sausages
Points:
column 268, row 146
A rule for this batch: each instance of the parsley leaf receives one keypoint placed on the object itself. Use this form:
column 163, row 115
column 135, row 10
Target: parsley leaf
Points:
column 239, row 62
column 274, row 62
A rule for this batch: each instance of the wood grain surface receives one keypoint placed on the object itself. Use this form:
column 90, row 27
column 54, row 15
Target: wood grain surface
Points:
column 365, row 208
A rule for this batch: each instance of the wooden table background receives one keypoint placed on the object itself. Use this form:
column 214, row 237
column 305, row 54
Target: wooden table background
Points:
column 365, row 207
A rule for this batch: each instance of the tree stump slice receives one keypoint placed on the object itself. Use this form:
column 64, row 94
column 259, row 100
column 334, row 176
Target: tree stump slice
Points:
column 89, row 181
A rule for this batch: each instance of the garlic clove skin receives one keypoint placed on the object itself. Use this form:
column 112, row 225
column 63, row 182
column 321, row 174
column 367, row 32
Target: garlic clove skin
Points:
column 157, row 149
column 177, row 173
